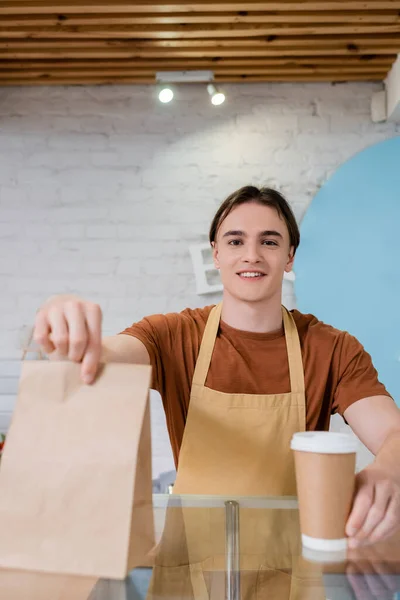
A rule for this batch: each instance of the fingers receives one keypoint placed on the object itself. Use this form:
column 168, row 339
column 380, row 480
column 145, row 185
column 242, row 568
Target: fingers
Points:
column 92, row 355
column 41, row 334
column 376, row 555
column 78, row 333
column 377, row 511
column 362, row 503
column 59, row 330
column 390, row 522
column 72, row 327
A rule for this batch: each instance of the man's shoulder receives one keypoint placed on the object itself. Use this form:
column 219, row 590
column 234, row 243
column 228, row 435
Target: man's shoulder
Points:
column 309, row 325
column 194, row 317
column 168, row 328
column 188, row 318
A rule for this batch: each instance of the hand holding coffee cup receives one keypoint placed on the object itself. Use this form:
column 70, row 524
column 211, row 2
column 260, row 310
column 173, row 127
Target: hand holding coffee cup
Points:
column 325, row 475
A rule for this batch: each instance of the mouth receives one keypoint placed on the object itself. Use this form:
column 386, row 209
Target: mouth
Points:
column 251, row 275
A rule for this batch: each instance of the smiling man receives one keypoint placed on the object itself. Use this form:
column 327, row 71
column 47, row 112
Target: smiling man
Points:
column 238, row 379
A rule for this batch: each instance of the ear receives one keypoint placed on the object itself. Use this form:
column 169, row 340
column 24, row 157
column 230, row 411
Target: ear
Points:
column 215, row 254
column 290, row 261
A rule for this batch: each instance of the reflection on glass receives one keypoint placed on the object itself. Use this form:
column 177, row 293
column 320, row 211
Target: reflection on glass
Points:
column 203, row 540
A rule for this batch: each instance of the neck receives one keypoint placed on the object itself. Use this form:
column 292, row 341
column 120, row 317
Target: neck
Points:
column 258, row 317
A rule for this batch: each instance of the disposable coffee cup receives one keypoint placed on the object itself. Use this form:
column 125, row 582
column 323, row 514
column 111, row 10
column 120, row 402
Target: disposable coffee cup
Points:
column 325, row 475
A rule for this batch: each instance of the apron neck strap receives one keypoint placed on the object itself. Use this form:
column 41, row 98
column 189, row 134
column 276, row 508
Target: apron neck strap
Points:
column 292, row 344
column 295, row 360
column 207, row 346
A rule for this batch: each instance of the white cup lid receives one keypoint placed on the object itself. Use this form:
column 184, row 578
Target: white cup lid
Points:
column 324, row 442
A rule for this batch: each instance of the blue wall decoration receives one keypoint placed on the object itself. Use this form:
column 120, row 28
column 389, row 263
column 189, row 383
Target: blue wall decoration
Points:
column 348, row 263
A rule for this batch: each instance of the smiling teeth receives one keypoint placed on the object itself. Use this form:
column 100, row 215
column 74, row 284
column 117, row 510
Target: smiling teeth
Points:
column 250, row 274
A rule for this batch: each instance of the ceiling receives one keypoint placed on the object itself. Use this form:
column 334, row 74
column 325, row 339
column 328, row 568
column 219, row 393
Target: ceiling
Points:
column 127, row 41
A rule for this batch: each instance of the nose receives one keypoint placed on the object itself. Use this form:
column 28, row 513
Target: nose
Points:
column 251, row 253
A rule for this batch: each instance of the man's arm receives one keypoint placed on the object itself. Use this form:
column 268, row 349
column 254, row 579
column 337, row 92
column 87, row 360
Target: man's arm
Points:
column 373, row 420
column 376, row 509
column 124, row 348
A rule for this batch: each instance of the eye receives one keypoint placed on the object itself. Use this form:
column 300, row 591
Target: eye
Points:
column 269, row 243
column 235, row 242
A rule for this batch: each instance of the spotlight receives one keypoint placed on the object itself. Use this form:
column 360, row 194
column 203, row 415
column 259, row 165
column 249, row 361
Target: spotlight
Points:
column 165, row 95
column 217, row 97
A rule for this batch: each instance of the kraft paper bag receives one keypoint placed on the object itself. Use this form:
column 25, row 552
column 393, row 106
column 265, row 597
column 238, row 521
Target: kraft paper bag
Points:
column 75, row 476
column 26, row 585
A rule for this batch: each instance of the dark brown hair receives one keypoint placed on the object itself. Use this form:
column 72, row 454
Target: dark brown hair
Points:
column 267, row 197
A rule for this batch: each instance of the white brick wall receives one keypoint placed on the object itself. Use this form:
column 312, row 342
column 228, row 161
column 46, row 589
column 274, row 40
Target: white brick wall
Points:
column 103, row 189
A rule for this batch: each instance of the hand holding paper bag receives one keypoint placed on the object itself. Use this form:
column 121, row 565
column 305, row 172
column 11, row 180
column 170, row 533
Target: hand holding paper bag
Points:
column 71, row 327
column 75, row 478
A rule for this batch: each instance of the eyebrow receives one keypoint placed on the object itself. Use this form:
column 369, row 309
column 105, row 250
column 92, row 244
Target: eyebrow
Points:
column 239, row 233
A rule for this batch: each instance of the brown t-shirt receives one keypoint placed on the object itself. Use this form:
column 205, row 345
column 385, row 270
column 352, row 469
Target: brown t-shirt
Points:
column 337, row 369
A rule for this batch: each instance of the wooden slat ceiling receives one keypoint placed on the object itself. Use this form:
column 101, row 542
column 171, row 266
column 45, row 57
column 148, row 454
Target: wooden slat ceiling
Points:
column 127, row 41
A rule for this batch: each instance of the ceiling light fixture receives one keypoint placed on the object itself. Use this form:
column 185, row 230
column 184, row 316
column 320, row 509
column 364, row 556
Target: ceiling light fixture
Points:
column 184, row 76
column 165, row 95
column 217, row 97
column 165, row 78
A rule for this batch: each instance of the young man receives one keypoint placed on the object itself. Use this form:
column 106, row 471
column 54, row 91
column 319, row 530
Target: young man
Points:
column 238, row 379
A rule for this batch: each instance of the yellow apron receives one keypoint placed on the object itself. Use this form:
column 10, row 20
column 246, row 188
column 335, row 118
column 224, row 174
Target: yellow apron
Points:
column 234, row 445
column 239, row 444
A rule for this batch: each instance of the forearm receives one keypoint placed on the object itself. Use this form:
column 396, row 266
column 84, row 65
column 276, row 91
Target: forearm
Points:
column 388, row 456
column 124, row 348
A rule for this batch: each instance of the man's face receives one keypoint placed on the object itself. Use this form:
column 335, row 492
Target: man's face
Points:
column 252, row 252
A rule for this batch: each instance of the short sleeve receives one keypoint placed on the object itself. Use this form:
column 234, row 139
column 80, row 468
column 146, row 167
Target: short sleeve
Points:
column 357, row 376
column 157, row 333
